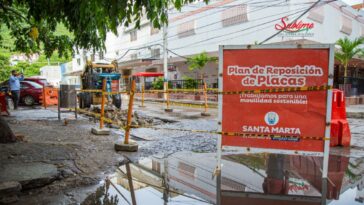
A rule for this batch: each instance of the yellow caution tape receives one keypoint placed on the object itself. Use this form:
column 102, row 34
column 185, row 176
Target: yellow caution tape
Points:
column 237, row 134
column 182, row 104
column 279, row 90
column 100, row 91
column 216, row 92
column 89, row 91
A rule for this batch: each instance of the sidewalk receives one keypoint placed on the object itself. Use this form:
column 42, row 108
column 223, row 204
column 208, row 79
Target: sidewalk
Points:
column 355, row 111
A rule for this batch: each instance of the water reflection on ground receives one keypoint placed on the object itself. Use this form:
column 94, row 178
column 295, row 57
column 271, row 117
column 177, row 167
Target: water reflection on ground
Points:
column 189, row 178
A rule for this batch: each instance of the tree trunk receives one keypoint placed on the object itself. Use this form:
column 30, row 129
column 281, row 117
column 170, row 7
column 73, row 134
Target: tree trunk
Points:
column 6, row 135
column 345, row 74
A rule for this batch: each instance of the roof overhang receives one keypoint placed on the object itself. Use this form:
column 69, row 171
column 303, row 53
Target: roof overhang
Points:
column 148, row 74
column 74, row 73
column 134, row 63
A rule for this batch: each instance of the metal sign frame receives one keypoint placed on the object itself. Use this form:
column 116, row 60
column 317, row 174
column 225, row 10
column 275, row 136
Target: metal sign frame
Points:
column 325, row 154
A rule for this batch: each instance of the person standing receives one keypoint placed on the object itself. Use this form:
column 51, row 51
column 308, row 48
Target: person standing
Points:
column 14, row 85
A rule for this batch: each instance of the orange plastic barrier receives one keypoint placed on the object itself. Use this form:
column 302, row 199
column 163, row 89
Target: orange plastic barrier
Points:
column 340, row 130
column 50, row 95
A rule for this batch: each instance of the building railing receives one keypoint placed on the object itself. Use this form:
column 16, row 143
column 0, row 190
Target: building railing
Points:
column 351, row 86
column 183, row 84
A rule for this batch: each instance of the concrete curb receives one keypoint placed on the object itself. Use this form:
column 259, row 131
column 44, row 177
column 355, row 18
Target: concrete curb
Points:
column 358, row 115
column 131, row 147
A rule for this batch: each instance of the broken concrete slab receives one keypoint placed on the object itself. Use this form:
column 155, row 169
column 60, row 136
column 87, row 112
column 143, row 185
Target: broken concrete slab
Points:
column 205, row 114
column 98, row 131
column 9, row 199
column 131, row 147
column 29, row 175
column 358, row 115
column 9, row 187
column 168, row 110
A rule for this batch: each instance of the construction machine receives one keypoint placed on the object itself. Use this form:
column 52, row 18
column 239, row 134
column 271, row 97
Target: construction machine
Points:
column 92, row 79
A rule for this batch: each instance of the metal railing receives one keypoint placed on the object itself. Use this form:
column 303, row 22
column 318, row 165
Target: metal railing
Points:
column 351, row 86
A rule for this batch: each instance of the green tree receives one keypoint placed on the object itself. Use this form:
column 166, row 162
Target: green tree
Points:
column 199, row 61
column 348, row 49
column 5, row 68
column 32, row 24
column 158, row 83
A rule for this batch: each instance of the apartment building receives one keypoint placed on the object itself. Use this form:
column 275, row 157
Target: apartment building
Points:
column 199, row 27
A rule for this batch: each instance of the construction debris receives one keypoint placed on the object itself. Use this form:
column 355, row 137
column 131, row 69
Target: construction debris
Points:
column 119, row 116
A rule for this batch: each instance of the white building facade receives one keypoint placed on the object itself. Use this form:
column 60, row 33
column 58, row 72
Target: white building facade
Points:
column 52, row 74
column 199, row 27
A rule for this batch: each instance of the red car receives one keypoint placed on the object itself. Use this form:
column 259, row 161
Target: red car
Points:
column 30, row 92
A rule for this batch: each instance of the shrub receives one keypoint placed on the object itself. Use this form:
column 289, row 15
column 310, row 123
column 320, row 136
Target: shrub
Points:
column 158, row 83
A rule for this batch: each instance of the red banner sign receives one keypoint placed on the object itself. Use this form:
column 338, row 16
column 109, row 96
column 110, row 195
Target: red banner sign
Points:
column 285, row 120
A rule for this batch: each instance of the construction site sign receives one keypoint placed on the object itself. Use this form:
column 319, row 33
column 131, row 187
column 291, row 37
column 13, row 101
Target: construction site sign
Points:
column 284, row 102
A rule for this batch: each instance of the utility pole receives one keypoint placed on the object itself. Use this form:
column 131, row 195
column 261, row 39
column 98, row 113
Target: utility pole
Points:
column 165, row 55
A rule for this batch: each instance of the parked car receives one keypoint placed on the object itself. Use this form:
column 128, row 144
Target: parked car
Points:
column 30, row 92
column 41, row 81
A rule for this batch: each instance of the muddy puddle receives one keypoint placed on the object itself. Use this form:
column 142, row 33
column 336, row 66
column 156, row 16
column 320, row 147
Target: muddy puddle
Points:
column 189, row 178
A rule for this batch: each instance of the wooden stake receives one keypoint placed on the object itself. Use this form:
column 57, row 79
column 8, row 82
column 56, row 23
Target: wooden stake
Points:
column 102, row 104
column 142, row 95
column 130, row 112
column 205, row 94
column 167, row 94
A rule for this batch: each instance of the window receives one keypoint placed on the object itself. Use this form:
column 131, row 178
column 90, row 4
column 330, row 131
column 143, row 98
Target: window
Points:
column 78, row 61
column 33, row 84
column 101, row 55
column 117, row 53
column 234, row 15
column 317, row 14
column 23, row 86
column 133, row 35
column 153, row 30
column 133, row 56
column 346, row 25
column 156, row 53
column 92, row 57
column 186, row 29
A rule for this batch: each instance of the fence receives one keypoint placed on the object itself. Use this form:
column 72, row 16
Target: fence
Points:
column 183, row 84
column 128, row 125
